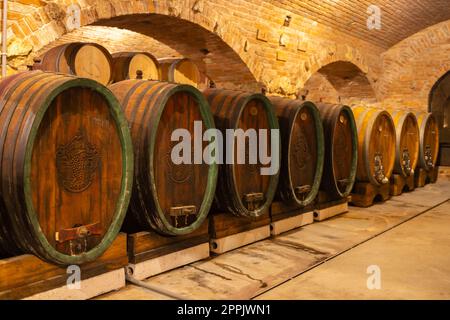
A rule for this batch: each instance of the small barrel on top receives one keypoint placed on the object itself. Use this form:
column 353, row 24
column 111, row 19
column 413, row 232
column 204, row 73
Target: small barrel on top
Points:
column 86, row 60
column 180, row 70
column 135, row 65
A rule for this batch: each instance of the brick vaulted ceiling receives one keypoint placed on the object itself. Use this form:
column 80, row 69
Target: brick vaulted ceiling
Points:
column 399, row 18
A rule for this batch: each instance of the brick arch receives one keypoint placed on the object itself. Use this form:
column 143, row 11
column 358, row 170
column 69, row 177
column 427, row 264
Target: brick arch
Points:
column 339, row 81
column 247, row 37
column 188, row 27
column 213, row 55
column 440, row 92
column 412, row 67
column 341, row 54
column 439, row 105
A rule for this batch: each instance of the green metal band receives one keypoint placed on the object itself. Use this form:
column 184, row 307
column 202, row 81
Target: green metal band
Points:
column 213, row 171
column 354, row 165
column 320, row 153
column 273, row 184
column 127, row 175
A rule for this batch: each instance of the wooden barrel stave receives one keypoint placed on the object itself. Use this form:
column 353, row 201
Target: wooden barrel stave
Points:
column 224, row 111
column 407, row 142
column 302, row 151
column 242, row 190
column 133, row 97
column 376, row 145
column 341, row 149
column 162, row 188
column 30, row 113
column 56, row 59
column 13, row 223
column 428, row 140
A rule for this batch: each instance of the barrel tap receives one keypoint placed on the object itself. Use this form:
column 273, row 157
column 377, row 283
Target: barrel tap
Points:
column 379, row 169
column 428, row 157
column 406, row 162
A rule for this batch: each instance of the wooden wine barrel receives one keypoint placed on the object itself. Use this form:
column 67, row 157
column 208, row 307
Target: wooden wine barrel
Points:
column 172, row 199
column 66, row 175
column 127, row 64
column 428, row 140
column 87, row 60
column 303, row 151
column 242, row 188
column 376, row 145
column 182, row 71
column 341, row 149
column 407, row 142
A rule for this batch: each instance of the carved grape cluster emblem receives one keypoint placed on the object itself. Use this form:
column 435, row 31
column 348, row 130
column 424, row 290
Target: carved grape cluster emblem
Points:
column 76, row 163
column 178, row 173
column 301, row 149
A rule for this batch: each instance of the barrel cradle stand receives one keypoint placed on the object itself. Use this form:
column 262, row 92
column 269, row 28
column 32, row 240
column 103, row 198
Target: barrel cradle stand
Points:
column 328, row 206
column 302, row 160
column 285, row 217
column 171, row 202
column 28, row 277
column 229, row 232
column 364, row 194
column 423, row 177
column 150, row 253
column 243, row 197
column 400, row 184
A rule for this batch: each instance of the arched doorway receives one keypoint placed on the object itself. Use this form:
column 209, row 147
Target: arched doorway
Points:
column 439, row 105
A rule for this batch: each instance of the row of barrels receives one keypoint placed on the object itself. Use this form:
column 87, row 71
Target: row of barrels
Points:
column 394, row 141
column 76, row 156
column 93, row 61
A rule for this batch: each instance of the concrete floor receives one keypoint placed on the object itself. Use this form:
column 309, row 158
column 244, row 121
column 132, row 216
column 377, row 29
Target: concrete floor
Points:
column 406, row 239
column 413, row 260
